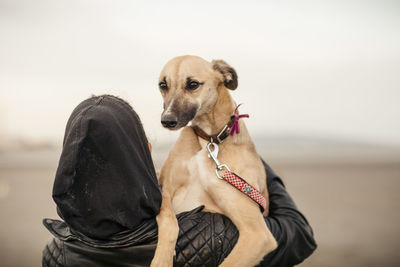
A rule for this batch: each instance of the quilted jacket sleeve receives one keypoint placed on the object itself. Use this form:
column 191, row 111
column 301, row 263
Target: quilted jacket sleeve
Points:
column 53, row 255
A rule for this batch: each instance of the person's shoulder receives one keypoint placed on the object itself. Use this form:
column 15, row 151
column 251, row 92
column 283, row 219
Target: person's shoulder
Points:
column 53, row 253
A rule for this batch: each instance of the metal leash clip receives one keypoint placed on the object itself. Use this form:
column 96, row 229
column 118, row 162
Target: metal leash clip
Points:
column 213, row 154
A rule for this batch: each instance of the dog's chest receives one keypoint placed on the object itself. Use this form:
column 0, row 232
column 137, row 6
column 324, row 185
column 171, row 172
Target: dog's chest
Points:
column 194, row 193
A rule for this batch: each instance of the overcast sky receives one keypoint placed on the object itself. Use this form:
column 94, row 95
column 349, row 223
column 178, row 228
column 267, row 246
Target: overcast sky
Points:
column 306, row 68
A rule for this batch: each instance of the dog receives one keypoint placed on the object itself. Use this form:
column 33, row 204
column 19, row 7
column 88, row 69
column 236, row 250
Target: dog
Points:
column 195, row 90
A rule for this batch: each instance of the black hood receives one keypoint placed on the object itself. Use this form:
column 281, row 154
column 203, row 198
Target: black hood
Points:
column 105, row 181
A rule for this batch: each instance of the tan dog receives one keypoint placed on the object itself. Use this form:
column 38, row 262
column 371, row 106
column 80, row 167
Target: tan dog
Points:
column 196, row 90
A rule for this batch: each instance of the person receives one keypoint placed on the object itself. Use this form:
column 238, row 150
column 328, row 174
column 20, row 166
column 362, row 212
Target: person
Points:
column 107, row 195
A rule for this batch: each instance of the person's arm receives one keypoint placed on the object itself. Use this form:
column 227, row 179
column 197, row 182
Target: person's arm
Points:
column 289, row 227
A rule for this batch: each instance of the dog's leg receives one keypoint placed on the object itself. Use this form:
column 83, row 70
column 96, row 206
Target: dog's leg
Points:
column 255, row 239
column 167, row 233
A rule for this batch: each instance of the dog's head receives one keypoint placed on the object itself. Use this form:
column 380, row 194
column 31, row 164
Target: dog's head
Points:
column 189, row 86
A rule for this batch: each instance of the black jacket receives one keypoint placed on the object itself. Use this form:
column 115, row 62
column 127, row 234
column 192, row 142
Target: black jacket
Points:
column 107, row 194
column 205, row 239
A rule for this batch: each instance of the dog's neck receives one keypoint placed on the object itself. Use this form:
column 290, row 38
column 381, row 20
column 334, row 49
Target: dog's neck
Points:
column 215, row 120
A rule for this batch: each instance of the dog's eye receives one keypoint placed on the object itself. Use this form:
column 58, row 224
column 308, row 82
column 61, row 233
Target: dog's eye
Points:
column 192, row 85
column 163, row 86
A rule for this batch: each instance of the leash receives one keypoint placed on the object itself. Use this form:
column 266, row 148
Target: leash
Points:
column 232, row 178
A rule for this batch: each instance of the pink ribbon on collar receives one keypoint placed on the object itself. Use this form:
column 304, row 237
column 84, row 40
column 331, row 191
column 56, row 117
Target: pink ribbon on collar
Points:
column 235, row 126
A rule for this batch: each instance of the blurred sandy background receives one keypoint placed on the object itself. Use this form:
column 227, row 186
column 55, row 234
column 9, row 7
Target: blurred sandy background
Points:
column 320, row 80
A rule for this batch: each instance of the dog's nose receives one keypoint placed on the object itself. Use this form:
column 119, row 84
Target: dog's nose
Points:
column 169, row 121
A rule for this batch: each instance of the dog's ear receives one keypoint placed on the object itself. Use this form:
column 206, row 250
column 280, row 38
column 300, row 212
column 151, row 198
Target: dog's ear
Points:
column 229, row 74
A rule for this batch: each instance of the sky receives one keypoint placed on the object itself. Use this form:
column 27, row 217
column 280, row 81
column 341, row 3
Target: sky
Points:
column 313, row 69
